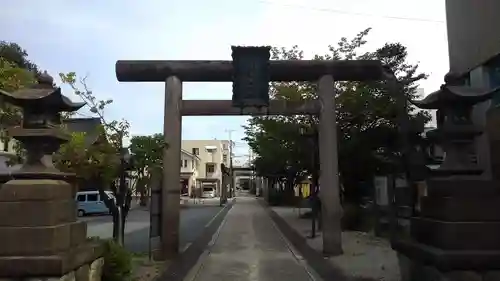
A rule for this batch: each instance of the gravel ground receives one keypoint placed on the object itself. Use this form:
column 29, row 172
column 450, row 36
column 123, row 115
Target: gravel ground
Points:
column 368, row 257
column 365, row 256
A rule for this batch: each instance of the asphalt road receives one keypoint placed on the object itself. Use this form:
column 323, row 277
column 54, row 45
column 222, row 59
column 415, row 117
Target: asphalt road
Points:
column 192, row 224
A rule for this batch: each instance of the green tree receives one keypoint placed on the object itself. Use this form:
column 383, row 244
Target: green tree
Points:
column 366, row 118
column 18, row 56
column 101, row 161
column 147, row 157
column 366, row 121
column 16, row 72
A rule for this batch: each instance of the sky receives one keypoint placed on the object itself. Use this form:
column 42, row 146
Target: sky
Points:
column 88, row 37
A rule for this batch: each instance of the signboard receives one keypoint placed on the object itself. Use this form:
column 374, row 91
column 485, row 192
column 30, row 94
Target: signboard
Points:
column 381, row 190
column 251, row 76
column 155, row 206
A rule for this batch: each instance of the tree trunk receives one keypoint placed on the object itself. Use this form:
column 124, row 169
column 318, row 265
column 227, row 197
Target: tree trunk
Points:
column 120, row 226
column 119, row 208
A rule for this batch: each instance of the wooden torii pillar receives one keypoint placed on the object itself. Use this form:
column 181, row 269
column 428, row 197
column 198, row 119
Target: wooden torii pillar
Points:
column 173, row 73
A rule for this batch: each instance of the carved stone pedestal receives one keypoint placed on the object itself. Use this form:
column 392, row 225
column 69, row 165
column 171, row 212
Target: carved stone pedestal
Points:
column 39, row 232
column 457, row 233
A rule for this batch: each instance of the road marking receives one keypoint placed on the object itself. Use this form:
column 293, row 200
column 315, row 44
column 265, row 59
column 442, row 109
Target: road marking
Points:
column 216, row 215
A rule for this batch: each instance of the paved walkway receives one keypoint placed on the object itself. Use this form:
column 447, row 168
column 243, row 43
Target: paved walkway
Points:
column 248, row 247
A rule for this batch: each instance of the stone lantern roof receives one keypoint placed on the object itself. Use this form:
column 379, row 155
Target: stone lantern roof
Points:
column 41, row 97
column 448, row 95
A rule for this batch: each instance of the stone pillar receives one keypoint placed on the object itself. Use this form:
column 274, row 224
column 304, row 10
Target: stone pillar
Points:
column 172, row 125
column 39, row 232
column 329, row 172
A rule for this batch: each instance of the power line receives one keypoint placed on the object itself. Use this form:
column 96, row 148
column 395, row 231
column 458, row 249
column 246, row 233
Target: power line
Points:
column 328, row 10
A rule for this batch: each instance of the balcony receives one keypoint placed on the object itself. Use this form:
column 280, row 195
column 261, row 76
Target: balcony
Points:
column 212, row 175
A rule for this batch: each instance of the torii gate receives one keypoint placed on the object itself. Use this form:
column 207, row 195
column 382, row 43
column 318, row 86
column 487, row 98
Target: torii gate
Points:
column 326, row 72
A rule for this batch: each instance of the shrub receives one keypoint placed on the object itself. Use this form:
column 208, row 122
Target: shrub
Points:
column 117, row 262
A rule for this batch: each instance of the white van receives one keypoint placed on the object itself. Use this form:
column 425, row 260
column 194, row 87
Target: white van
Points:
column 208, row 192
column 90, row 202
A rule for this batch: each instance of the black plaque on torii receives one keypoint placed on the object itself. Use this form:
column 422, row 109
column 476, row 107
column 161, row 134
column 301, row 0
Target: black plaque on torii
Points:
column 251, row 76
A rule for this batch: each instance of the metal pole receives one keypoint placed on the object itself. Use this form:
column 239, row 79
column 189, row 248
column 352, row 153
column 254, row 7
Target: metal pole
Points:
column 172, row 125
column 150, row 251
column 120, row 200
column 314, row 197
column 222, row 188
column 231, row 172
column 314, row 184
column 329, row 173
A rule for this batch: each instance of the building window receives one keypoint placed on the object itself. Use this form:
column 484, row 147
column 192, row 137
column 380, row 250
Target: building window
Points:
column 196, row 151
column 185, row 163
column 210, row 168
column 224, row 158
column 224, row 146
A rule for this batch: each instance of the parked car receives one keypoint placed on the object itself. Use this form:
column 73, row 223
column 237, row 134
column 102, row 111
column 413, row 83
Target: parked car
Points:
column 208, row 192
column 90, row 202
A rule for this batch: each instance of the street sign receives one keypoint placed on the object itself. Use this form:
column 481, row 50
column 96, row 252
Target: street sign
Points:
column 155, row 206
column 251, row 76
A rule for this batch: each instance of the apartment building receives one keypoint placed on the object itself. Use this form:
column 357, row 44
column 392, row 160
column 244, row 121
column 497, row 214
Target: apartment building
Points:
column 201, row 164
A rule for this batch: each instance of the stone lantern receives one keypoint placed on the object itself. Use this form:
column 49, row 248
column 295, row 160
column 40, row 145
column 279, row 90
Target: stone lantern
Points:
column 456, row 235
column 39, row 233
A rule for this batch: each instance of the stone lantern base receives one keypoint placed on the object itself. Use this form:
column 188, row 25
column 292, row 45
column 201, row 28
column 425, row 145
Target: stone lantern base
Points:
column 415, row 271
column 40, row 235
column 457, row 235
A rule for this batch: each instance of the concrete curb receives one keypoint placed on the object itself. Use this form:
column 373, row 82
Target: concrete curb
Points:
column 320, row 265
column 192, row 254
column 313, row 275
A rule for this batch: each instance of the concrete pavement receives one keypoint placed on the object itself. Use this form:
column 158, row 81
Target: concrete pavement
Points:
column 248, row 246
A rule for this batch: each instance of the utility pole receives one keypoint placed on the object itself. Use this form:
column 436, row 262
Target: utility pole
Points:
column 252, row 173
column 231, row 171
